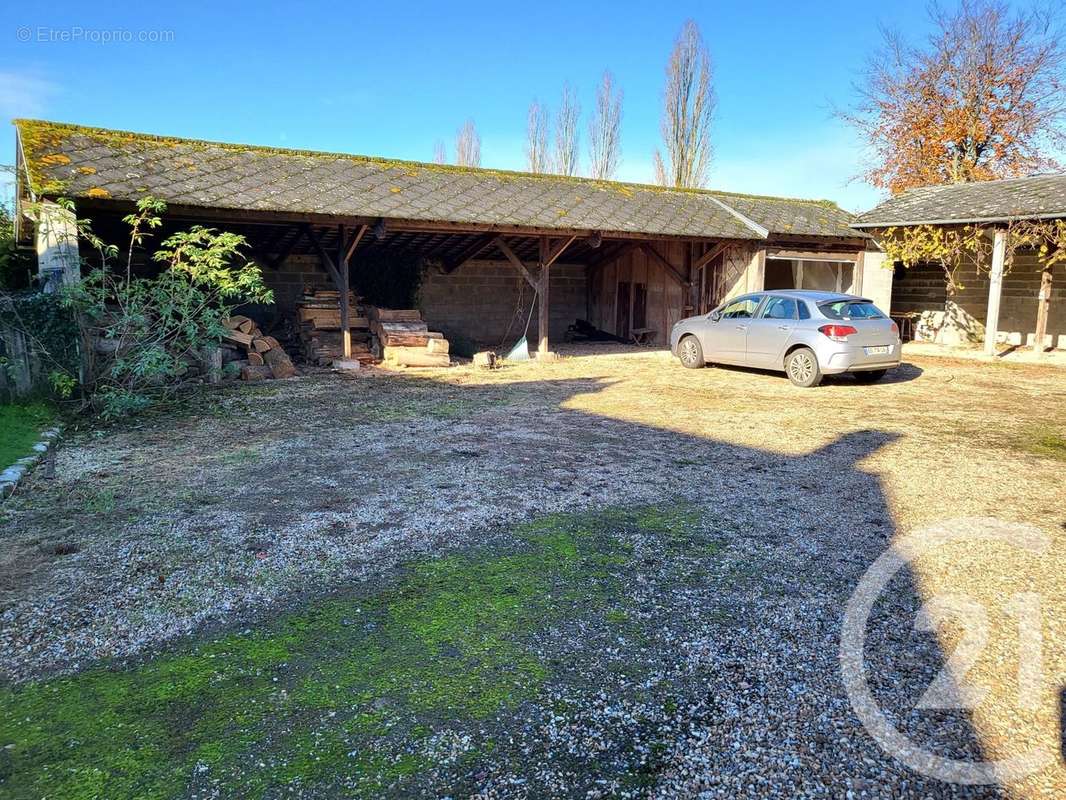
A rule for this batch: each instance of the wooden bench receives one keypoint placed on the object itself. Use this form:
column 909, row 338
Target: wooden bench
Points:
column 642, row 335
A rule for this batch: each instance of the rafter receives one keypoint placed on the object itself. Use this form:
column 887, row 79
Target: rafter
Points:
column 476, row 248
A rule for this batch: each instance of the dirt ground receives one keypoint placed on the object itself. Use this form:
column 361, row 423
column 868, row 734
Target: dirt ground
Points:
column 607, row 576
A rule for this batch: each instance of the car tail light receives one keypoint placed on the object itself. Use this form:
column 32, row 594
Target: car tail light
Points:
column 895, row 330
column 838, row 333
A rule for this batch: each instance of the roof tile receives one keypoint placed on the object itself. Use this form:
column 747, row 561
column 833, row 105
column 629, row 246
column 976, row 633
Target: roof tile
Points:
column 217, row 175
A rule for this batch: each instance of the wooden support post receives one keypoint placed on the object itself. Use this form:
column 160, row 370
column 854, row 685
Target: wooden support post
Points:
column 342, row 268
column 542, row 297
column 995, row 289
column 1042, row 311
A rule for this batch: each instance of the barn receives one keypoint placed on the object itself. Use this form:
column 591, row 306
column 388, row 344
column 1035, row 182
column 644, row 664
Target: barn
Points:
column 484, row 253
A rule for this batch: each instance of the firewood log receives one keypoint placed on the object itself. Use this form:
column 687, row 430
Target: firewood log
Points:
column 234, row 323
column 415, row 357
column 260, row 345
column 255, row 359
column 279, row 362
column 238, row 338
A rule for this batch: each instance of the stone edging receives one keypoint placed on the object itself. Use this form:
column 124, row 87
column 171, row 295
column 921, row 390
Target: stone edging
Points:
column 10, row 477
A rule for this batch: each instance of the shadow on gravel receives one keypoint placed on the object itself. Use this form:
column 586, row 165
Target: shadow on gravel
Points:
column 904, row 373
column 672, row 633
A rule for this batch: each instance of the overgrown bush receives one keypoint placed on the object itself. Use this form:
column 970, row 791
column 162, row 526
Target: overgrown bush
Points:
column 51, row 335
column 146, row 332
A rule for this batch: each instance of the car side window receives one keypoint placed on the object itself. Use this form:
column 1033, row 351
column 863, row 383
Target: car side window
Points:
column 743, row 308
column 804, row 311
column 779, row 308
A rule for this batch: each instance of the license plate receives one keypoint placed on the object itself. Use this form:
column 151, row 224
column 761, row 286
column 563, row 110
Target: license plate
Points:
column 879, row 350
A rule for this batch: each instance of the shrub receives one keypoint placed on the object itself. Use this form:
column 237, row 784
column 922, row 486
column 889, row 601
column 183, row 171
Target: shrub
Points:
column 153, row 328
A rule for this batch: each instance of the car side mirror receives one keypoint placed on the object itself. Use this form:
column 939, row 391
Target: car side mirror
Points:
column 715, row 316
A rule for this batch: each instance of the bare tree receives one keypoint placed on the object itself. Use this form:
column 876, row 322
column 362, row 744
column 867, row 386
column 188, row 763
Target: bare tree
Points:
column 605, row 130
column 984, row 98
column 567, row 135
column 537, row 157
column 468, row 145
column 440, row 152
column 688, row 107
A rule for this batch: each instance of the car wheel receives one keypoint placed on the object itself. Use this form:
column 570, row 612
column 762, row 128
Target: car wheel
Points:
column 870, row 375
column 802, row 368
column 691, row 353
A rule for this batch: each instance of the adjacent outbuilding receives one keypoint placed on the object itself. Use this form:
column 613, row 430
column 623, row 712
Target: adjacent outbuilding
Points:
column 1006, row 298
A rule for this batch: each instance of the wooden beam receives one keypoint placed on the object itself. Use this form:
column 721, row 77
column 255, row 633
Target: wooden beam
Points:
column 710, row 256
column 473, row 250
column 323, row 256
column 510, row 255
column 555, row 252
column 1042, row 310
column 354, row 242
column 995, row 289
column 670, row 268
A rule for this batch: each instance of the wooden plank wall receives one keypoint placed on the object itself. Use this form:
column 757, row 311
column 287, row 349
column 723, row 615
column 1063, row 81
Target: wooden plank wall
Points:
column 666, row 298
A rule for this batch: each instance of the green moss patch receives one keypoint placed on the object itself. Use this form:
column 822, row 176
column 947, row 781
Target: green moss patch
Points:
column 337, row 697
column 1045, row 443
column 20, row 428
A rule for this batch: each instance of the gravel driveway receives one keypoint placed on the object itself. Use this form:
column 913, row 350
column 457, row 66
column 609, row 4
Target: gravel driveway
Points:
column 607, row 576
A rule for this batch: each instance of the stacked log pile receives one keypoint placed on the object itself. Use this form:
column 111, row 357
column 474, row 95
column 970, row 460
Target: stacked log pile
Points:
column 318, row 317
column 404, row 340
column 258, row 356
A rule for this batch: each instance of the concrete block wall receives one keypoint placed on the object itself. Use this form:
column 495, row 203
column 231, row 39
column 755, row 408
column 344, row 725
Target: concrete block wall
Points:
column 289, row 280
column 921, row 289
column 479, row 301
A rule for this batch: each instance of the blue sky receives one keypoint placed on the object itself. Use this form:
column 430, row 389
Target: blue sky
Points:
column 391, row 78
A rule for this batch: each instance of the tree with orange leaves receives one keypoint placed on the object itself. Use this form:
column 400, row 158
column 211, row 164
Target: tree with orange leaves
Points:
column 984, row 99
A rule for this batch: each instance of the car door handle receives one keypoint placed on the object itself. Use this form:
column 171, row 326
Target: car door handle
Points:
column 742, row 327
column 782, row 327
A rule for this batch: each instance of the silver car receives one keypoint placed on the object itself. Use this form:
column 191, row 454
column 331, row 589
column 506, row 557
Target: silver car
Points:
column 804, row 334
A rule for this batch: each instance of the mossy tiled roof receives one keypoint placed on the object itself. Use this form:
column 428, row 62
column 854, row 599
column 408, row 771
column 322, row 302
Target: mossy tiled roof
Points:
column 75, row 161
column 1035, row 197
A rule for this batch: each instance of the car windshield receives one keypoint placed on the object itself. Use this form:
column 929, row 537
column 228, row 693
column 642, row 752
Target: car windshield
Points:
column 850, row 309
